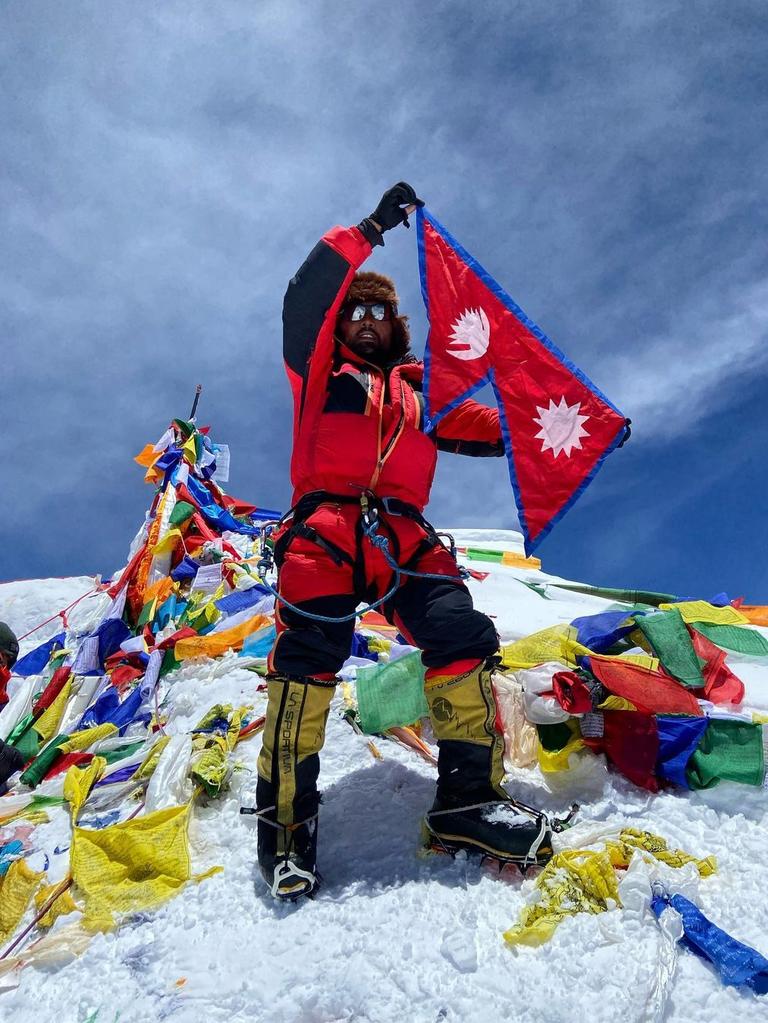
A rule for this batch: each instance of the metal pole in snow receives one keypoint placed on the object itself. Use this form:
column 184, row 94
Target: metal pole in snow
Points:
column 198, row 391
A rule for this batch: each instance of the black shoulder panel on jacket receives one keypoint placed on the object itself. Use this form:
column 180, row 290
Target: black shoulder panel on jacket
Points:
column 475, row 448
column 309, row 296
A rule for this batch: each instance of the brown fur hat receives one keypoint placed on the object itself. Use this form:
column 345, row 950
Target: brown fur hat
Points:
column 368, row 286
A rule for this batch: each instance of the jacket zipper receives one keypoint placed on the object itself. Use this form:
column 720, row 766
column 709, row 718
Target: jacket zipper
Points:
column 384, row 455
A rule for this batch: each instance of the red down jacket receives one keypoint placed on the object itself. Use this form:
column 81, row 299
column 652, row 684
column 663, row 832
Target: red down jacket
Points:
column 356, row 426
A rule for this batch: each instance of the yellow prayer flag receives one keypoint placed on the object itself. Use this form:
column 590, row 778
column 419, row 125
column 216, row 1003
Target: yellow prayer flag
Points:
column 16, row 890
column 703, row 611
column 616, row 703
column 82, row 740
column 574, row 881
column 189, row 450
column 631, row 839
column 559, row 760
column 556, row 643
column 641, row 660
column 78, row 783
column 378, row 644
column 169, row 541
column 207, row 614
column 134, row 865
column 517, row 560
column 47, row 725
column 61, row 906
column 147, row 767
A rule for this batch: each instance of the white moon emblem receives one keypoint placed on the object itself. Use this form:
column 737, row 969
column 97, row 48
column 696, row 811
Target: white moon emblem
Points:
column 471, row 335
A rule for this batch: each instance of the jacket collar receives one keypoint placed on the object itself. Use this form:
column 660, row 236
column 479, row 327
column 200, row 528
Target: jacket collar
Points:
column 409, row 366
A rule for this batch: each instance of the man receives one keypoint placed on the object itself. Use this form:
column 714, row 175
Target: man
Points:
column 10, row 759
column 362, row 461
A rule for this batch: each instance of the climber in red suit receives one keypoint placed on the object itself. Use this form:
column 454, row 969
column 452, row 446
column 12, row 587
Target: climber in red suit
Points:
column 360, row 448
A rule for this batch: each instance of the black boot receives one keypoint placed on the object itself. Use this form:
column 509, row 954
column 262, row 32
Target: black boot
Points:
column 287, row 853
column 472, row 810
column 286, row 792
column 499, row 828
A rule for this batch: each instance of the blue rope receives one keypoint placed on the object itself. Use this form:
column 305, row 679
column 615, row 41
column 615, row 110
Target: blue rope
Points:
column 381, row 543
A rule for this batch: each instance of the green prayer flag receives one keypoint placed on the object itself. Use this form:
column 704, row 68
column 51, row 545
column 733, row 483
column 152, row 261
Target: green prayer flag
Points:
column 20, row 729
column 184, row 428
column 738, row 638
column 671, row 642
column 169, row 662
column 391, row 695
column 728, row 751
column 538, row 588
column 554, row 737
column 629, row 596
column 25, row 738
column 482, row 554
column 113, row 755
column 147, row 614
column 182, row 511
column 43, row 762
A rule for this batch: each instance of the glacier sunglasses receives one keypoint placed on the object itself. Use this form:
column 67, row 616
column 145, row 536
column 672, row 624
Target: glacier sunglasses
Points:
column 356, row 311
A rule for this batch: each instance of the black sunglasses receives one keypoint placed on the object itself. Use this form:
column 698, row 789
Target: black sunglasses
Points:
column 356, row 311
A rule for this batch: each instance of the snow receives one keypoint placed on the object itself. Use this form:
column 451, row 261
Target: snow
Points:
column 395, row 934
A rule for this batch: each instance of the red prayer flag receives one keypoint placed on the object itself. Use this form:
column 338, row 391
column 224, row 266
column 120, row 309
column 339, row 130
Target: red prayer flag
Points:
column 557, row 426
column 631, row 743
column 652, row 692
column 722, row 686
column 52, row 690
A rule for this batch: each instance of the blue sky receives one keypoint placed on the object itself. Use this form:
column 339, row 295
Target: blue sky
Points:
column 167, row 167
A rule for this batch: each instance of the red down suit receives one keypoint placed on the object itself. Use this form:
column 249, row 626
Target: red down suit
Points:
column 360, row 428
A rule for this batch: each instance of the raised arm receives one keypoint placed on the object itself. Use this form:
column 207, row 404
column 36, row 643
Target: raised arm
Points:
column 317, row 291
column 314, row 295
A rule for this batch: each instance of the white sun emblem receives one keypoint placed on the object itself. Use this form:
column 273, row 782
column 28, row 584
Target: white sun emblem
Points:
column 471, row 335
column 562, row 428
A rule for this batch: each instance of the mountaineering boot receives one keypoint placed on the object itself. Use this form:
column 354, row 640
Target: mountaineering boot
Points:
column 472, row 811
column 499, row 828
column 286, row 794
column 287, row 854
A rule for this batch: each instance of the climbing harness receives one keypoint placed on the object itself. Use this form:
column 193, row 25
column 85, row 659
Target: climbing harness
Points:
column 370, row 518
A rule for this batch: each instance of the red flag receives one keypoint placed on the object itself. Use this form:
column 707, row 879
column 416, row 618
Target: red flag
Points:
column 558, row 428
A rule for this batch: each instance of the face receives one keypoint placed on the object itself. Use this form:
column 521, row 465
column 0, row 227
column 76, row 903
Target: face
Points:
column 367, row 337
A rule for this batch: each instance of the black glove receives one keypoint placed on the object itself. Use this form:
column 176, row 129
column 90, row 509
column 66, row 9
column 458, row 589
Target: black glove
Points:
column 11, row 760
column 389, row 213
column 627, row 432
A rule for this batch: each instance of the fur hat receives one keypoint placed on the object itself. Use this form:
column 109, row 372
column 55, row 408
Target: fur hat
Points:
column 9, row 645
column 370, row 287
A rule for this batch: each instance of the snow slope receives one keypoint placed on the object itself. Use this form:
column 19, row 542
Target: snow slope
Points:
column 394, row 935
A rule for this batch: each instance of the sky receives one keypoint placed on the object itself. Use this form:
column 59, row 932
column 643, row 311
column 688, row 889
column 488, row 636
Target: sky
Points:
column 166, row 168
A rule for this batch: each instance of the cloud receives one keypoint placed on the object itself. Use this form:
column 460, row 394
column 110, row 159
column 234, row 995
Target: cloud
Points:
column 674, row 381
column 167, row 167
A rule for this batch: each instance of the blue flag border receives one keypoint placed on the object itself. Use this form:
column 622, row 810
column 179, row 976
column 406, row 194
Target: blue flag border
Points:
column 493, row 286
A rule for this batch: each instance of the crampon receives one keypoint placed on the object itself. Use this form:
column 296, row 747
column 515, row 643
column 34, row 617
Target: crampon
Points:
column 291, row 873
column 500, row 832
